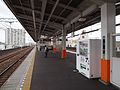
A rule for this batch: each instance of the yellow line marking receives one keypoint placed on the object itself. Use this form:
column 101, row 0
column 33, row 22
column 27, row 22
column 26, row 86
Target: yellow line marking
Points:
column 27, row 81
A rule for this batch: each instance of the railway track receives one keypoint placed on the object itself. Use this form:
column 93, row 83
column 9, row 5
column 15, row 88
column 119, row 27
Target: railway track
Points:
column 10, row 62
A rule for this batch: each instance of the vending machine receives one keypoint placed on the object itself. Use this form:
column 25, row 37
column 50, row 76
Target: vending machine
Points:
column 88, row 57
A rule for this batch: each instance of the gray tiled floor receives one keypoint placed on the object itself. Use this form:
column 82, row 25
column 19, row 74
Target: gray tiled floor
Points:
column 54, row 73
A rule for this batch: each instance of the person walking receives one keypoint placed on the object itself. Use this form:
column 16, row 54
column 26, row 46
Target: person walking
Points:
column 46, row 51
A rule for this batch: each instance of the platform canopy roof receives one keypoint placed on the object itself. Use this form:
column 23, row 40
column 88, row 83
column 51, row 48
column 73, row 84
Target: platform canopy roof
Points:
column 47, row 17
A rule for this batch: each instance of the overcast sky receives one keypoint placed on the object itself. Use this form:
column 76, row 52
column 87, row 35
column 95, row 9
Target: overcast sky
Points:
column 6, row 13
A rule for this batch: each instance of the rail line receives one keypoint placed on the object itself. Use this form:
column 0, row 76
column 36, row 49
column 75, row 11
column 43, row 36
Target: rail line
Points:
column 10, row 62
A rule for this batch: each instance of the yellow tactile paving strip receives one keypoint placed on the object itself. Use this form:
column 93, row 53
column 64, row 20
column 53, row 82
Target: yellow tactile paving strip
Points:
column 27, row 81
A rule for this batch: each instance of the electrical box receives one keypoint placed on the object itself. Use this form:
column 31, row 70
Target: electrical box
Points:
column 88, row 57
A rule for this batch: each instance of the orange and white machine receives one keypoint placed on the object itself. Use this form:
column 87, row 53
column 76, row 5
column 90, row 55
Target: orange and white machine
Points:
column 88, row 56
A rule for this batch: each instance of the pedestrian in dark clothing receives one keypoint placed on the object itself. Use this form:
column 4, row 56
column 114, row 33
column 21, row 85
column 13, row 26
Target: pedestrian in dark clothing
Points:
column 46, row 51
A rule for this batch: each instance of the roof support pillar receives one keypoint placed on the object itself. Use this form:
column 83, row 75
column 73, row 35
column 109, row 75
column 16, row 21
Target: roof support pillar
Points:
column 64, row 54
column 54, row 45
column 108, row 27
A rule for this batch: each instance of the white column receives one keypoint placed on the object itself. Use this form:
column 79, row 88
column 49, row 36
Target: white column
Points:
column 54, row 42
column 63, row 38
column 107, row 28
column 64, row 55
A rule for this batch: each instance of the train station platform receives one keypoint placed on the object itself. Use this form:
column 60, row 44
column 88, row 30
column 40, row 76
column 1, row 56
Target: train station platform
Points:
column 54, row 73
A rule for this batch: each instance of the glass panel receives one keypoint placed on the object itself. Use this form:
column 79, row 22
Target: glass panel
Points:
column 83, row 48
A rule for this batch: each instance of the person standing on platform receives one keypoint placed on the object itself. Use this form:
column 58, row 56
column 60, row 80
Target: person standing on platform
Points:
column 46, row 51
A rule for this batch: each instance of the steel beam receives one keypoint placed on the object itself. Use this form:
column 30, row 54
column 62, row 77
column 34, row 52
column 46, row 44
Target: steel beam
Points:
column 33, row 16
column 44, row 3
column 30, row 29
column 25, row 17
column 82, row 6
column 50, row 15
column 63, row 11
column 62, row 5
column 47, row 28
column 100, row 2
column 26, row 8
column 36, row 11
column 86, row 12
column 57, row 17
